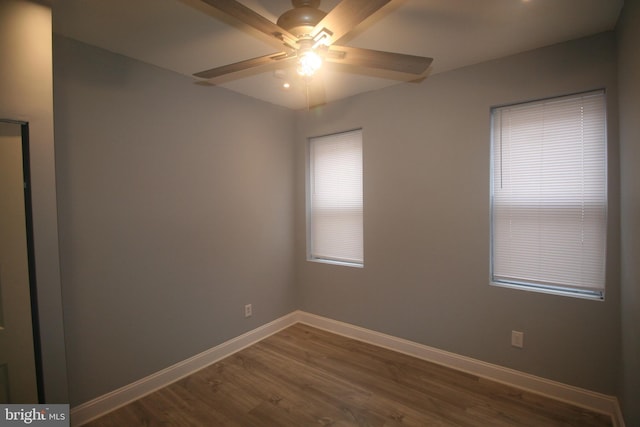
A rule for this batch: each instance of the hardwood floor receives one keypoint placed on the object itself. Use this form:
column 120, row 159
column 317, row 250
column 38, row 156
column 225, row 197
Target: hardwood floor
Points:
column 304, row 376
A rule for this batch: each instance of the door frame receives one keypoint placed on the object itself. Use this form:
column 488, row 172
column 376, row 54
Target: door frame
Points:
column 31, row 257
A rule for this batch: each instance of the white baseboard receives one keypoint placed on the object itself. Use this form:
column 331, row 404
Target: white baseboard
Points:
column 574, row 395
column 93, row 409
column 577, row 396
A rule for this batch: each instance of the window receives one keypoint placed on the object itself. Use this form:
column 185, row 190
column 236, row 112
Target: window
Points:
column 335, row 198
column 549, row 195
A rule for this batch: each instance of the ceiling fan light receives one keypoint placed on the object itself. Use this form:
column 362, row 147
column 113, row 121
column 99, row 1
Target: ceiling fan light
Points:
column 308, row 63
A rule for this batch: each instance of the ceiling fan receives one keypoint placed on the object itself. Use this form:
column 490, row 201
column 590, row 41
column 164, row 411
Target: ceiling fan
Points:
column 307, row 37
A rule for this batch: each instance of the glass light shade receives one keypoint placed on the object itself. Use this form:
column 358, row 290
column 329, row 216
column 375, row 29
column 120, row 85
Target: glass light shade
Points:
column 308, row 63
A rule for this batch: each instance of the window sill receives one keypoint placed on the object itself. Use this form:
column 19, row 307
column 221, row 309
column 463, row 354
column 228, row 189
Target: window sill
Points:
column 574, row 293
column 336, row 262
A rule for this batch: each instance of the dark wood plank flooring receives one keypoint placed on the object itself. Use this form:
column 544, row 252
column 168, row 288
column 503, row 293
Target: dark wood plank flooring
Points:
column 303, row 376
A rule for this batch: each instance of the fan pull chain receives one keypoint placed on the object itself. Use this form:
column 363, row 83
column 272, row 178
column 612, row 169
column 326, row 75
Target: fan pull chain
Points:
column 306, row 87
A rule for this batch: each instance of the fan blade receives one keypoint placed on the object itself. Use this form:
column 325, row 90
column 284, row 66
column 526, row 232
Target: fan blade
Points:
column 345, row 17
column 253, row 19
column 245, row 68
column 388, row 61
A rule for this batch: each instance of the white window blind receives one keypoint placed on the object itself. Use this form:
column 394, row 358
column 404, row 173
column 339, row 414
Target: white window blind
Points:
column 335, row 198
column 549, row 194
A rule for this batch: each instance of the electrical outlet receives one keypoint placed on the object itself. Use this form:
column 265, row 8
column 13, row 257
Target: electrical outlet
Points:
column 248, row 311
column 517, row 339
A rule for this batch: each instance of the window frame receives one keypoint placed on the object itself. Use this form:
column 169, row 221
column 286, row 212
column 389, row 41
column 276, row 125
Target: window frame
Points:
column 309, row 202
column 591, row 293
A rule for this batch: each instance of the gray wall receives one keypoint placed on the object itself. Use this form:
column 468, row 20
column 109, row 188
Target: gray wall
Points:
column 26, row 95
column 175, row 214
column 176, row 209
column 629, row 71
column 426, row 220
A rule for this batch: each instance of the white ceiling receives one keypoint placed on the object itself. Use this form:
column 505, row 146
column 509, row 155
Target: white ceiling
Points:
column 186, row 36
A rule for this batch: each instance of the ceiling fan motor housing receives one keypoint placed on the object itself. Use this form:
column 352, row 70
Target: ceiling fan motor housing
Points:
column 300, row 20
